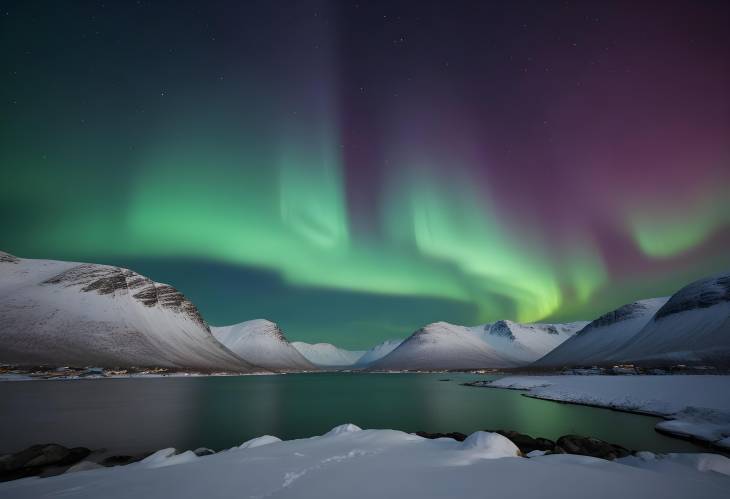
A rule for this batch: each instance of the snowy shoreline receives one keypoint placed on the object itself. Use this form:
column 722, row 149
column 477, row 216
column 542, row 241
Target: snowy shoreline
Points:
column 694, row 407
column 354, row 463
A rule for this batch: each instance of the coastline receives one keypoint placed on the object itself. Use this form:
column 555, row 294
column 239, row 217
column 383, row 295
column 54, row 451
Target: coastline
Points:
column 707, row 426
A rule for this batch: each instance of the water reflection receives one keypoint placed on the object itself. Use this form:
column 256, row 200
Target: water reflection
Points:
column 135, row 415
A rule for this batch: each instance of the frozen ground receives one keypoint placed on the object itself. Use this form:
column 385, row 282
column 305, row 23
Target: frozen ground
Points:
column 694, row 406
column 351, row 463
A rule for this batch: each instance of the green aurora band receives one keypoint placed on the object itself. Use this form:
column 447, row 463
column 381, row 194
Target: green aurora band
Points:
column 280, row 205
column 288, row 213
column 258, row 144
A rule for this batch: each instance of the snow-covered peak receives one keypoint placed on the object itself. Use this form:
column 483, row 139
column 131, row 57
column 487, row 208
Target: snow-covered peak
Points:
column 249, row 330
column 378, row 351
column 327, row 354
column 515, row 330
column 437, row 332
column 691, row 328
column 500, row 328
column 116, row 281
column 637, row 309
column 599, row 339
column 703, row 293
column 67, row 313
column 525, row 343
column 442, row 346
column 262, row 342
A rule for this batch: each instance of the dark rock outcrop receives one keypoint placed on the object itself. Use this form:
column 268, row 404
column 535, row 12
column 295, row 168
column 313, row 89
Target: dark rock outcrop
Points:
column 119, row 460
column 8, row 258
column 37, row 458
column 502, row 328
column 623, row 313
column 526, row 443
column 567, row 444
column 459, row 437
column 589, row 446
column 106, row 280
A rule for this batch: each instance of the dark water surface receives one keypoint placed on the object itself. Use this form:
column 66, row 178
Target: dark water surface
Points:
column 145, row 414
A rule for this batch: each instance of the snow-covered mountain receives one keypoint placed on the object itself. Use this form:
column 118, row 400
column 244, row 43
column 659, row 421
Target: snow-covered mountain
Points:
column 378, row 352
column 66, row 313
column 261, row 342
column 595, row 342
column 327, row 355
column 692, row 327
column 526, row 343
column 443, row 346
column 502, row 344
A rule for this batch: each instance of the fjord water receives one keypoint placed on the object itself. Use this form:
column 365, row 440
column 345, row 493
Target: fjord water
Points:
column 146, row 414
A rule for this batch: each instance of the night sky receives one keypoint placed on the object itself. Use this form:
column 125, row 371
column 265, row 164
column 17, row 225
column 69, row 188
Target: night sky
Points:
column 354, row 170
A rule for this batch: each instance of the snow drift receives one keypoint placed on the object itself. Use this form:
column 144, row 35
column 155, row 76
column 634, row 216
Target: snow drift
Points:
column 261, row 342
column 66, row 313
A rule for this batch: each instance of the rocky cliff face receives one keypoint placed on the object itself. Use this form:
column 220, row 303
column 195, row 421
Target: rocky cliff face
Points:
column 106, row 280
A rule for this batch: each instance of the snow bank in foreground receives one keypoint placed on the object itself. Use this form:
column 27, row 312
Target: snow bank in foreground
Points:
column 695, row 406
column 352, row 463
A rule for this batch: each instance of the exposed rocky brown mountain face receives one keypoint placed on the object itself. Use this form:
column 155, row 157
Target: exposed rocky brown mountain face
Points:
column 8, row 258
column 106, row 280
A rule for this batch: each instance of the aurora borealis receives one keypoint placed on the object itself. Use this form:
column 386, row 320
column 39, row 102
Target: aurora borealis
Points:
column 354, row 170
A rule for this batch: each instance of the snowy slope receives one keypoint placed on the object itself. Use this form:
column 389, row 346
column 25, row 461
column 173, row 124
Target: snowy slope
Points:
column 364, row 464
column 378, row 352
column 66, row 313
column 502, row 344
column 594, row 343
column 692, row 327
column 327, row 355
column 261, row 342
column 444, row 346
column 526, row 342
